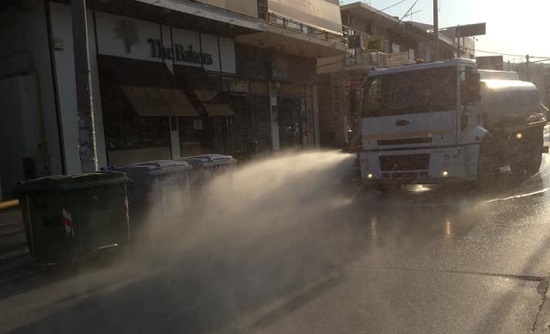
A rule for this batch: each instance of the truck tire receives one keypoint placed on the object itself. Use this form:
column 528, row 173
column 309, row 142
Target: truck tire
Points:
column 488, row 168
column 528, row 166
column 530, row 163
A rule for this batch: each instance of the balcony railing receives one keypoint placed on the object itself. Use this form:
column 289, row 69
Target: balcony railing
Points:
column 305, row 29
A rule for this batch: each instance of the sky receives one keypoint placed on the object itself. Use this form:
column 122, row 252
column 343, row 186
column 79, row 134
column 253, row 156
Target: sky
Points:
column 513, row 27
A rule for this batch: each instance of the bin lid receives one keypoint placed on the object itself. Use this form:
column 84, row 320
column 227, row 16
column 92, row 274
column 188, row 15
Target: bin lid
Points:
column 155, row 167
column 207, row 160
column 72, row 181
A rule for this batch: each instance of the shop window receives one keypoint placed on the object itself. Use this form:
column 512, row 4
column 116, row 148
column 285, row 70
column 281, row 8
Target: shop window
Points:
column 127, row 131
column 190, row 129
column 197, row 124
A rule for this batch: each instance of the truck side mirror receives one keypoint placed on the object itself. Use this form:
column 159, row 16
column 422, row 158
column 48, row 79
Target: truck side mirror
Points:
column 471, row 89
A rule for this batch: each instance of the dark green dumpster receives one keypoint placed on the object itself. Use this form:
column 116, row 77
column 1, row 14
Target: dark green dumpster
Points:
column 69, row 217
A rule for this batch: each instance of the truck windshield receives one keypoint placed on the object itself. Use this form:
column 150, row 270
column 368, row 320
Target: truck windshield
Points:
column 425, row 90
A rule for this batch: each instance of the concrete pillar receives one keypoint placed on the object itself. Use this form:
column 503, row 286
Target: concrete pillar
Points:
column 87, row 136
column 174, row 138
column 274, row 117
column 316, row 117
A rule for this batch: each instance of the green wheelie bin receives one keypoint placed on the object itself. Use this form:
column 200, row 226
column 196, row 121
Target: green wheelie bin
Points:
column 68, row 218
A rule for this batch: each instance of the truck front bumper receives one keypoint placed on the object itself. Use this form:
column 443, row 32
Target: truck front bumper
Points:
column 423, row 166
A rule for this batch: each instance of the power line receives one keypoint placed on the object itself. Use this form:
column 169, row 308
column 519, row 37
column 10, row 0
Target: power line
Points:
column 408, row 11
column 498, row 53
column 376, row 11
column 395, row 4
column 512, row 55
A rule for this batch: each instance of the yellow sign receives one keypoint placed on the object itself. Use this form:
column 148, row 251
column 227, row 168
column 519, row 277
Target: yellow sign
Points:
column 374, row 44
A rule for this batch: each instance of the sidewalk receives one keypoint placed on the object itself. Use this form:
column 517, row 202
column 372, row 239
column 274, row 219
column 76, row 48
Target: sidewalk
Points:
column 15, row 259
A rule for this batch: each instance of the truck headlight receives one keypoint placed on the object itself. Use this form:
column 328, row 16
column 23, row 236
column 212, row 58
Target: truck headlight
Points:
column 370, row 176
column 444, row 173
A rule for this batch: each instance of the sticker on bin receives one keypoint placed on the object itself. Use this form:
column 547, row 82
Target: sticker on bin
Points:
column 68, row 223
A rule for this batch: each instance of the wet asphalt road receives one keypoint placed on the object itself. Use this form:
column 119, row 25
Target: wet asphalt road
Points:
column 450, row 260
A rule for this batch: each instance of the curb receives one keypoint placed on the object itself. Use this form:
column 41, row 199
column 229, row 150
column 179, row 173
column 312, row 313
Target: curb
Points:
column 9, row 204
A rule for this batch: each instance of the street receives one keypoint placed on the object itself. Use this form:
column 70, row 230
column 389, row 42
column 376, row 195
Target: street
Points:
column 291, row 251
column 227, row 167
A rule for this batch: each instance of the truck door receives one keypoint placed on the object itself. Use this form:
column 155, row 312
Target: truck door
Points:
column 468, row 109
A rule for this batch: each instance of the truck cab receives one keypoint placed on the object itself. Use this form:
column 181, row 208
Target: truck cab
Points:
column 420, row 123
column 440, row 122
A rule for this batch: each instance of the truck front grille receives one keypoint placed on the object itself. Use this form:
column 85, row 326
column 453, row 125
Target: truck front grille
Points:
column 405, row 141
column 407, row 162
column 405, row 175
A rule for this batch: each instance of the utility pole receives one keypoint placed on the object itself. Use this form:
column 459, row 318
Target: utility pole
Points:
column 527, row 74
column 436, row 30
column 87, row 136
column 457, row 36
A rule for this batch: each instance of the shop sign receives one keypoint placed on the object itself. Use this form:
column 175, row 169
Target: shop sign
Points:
column 374, row 44
column 179, row 53
column 490, row 63
column 239, row 87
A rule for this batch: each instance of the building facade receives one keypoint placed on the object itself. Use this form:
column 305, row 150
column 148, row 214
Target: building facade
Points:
column 278, row 76
column 168, row 79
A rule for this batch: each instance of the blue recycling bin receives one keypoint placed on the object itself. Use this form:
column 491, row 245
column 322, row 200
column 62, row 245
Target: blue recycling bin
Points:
column 207, row 166
column 160, row 187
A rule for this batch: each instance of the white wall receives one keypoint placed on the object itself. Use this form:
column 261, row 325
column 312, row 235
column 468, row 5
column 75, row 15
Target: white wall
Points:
column 11, row 33
column 62, row 33
column 25, row 69
column 11, row 129
column 36, row 41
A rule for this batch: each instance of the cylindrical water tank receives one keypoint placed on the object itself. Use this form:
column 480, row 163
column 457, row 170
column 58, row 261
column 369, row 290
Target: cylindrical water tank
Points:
column 509, row 102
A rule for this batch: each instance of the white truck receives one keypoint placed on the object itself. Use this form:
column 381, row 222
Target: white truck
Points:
column 440, row 122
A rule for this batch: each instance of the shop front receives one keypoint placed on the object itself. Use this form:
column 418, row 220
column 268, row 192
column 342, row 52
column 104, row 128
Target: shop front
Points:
column 296, row 119
column 160, row 88
column 277, row 94
column 143, row 108
column 157, row 88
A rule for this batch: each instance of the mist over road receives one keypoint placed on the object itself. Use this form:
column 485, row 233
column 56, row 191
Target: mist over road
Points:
column 282, row 247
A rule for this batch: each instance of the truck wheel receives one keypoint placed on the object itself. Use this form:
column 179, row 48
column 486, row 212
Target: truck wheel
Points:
column 527, row 167
column 533, row 164
column 535, row 158
column 487, row 168
column 530, row 164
